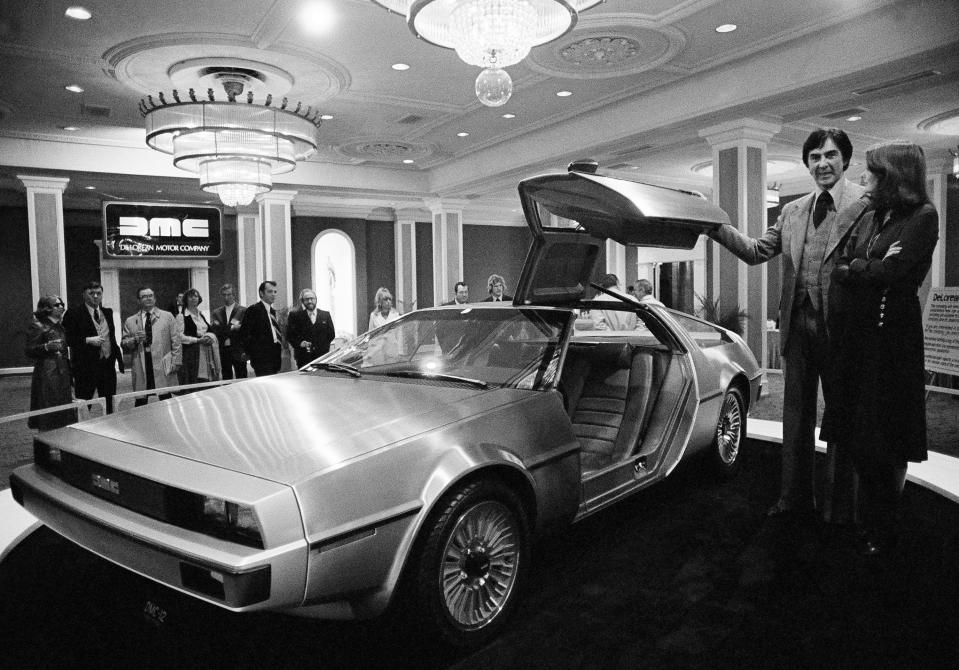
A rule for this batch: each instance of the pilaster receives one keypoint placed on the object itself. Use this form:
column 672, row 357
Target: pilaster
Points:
column 739, row 188
column 48, row 270
column 275, row 219
column 447, row 245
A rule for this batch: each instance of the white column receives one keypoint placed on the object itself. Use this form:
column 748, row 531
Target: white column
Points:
column 447, row 246
column 404, row 238
column 739, row 188
column 938, row 185
column 275, row 215
column 249, row 254
column 48, row 270
column 616, row 261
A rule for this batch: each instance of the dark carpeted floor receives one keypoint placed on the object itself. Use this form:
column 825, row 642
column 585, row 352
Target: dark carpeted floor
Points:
column 688, row 574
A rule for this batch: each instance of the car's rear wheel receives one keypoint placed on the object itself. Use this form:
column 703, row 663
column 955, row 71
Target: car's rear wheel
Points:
column 470, row 568
column 730, row 433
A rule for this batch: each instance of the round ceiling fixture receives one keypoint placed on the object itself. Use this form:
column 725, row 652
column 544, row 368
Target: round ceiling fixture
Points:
column 234, row 145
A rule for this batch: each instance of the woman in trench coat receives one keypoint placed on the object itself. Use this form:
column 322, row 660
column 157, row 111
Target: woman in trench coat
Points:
column 52, row 381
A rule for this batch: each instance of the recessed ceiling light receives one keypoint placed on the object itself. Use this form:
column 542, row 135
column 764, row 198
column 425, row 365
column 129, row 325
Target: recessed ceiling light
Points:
column 317, row 18
column 159, row 190
column 78, row 13
column 855, row 117
column 73, row 88
column 90, row 188
column 407, row 160
column 326, row 117
column 726, row 28
column 400, row 66
column 69, row 128
column 509, row 116
column 563, row 94
column 462, row 134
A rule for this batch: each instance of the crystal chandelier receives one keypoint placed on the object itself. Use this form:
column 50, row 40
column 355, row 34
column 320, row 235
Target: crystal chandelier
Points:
column 234, row 146
column 492, row 34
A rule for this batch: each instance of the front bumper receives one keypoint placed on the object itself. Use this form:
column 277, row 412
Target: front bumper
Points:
column 223, row 573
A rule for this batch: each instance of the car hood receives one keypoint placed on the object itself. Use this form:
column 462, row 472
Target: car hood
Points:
column 287, row 426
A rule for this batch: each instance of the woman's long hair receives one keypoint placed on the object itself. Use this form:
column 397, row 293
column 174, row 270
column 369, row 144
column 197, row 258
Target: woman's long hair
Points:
column 381, row 293
column 46, row 305
column 900, row 170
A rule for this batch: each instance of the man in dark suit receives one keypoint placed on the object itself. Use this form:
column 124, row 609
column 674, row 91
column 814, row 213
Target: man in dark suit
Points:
column 497, row 290
column 461, row 294
column 260, row 332
column 807, row 234
column 94, row 352
column 225, row 323
column 309, row 330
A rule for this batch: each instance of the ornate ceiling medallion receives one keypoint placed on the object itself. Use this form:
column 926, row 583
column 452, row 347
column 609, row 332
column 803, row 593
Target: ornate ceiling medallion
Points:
column 383, row 150
column 608, row 45
column 609, row 51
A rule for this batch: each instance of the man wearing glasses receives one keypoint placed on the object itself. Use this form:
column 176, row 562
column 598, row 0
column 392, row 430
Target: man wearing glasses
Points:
column 94, row 352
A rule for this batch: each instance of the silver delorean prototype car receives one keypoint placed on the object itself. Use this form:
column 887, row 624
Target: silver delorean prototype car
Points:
column 410, row 470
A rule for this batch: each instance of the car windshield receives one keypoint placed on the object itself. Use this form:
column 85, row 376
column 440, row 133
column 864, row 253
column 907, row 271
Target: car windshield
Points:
column 475, row 346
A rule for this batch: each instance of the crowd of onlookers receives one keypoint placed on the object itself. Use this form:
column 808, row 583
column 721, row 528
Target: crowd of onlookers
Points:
column 78, row 353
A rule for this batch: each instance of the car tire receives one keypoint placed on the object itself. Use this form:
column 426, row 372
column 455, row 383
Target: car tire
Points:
column 470, row 569
column 726, row 450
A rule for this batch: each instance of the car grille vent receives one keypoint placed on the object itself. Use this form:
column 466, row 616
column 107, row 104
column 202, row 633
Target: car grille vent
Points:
column 137, row 494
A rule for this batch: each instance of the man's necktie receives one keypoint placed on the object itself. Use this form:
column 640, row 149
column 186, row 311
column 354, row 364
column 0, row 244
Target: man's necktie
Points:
column 822, row 208
column 275, row 325
column 148, row 330
column 96, row 314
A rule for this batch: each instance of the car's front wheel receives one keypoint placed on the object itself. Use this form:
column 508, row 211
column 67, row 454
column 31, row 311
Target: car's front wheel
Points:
column 730, row 433
column 471, row 566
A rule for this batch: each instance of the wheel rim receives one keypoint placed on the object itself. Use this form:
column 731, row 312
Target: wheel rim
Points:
column 729, row 431
column 480, row 564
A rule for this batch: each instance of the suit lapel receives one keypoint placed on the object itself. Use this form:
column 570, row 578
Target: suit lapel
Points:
column 799, row 222
column 849, row 211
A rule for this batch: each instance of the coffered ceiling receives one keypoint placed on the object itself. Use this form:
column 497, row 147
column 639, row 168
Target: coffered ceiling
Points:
column 645, row 76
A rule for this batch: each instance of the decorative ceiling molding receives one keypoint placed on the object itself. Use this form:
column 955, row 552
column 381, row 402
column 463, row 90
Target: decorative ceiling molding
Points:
column 608, row 45
column 71, row 139
column 56, row 55
column 946, row 123
column 144, row 64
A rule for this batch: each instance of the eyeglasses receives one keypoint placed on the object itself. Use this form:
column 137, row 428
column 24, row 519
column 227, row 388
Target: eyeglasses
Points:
column 58, row 304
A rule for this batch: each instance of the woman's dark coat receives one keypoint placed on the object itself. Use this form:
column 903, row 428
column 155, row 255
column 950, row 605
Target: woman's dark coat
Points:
column 876, row 404
column 51, row 385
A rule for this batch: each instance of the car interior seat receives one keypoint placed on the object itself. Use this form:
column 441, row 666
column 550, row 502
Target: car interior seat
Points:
column 611, row 409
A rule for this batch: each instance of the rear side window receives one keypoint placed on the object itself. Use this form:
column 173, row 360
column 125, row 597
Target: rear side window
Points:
column 704, row 334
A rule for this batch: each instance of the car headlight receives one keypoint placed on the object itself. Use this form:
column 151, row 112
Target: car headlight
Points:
column 230, row 520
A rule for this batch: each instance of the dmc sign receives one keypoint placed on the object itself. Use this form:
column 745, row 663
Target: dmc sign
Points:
column 150, row 230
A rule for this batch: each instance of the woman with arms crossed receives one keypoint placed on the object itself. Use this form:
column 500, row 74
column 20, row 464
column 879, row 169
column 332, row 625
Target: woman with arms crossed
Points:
column 878, row 408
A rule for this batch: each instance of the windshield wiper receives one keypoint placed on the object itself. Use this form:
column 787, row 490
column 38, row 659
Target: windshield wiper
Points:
column 441, row 376
column 338, row 367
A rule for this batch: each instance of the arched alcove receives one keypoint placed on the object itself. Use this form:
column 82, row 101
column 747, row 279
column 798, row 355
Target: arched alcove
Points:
column 334, row 278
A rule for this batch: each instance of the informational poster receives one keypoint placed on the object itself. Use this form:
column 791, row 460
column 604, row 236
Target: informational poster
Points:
column 941, row 327
column 154, row 230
